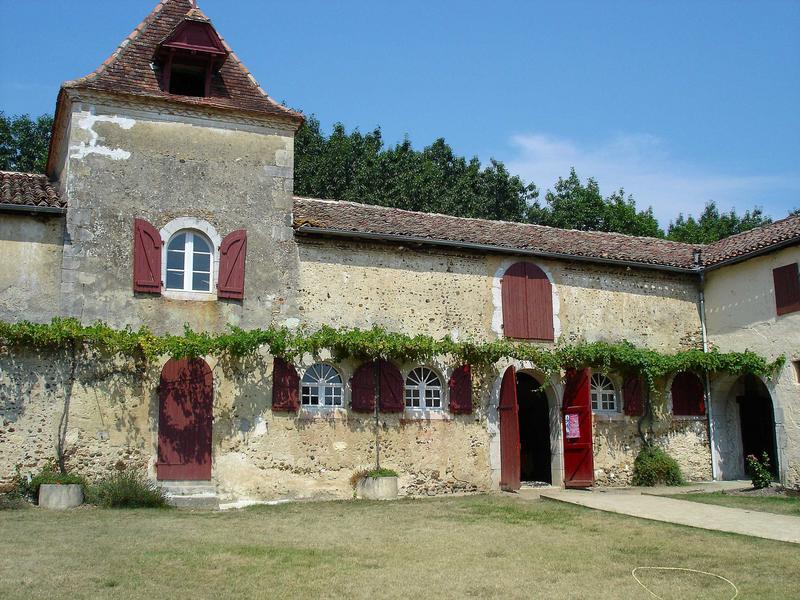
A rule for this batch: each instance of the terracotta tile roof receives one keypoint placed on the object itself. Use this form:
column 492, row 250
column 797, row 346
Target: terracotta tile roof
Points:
column 328, row 216
column 778, row 233
column 28, row 189
column 128, row 70
column 349, row 217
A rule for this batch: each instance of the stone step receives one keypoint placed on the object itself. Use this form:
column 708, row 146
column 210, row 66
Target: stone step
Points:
column 191, row 494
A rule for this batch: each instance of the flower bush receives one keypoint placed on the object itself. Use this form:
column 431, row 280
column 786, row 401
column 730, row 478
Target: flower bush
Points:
column 759, row 471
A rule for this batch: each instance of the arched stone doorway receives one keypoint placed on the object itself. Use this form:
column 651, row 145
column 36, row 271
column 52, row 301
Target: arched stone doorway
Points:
column 744, row 423
column 185, row 417
column 534, row 431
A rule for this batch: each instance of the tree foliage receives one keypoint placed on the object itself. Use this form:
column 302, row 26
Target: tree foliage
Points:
column 24, row 142
column 359, row 168
column 712, row 225
column 573, row 205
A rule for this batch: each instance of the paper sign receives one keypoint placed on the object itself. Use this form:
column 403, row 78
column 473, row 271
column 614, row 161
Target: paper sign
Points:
column 572, row 426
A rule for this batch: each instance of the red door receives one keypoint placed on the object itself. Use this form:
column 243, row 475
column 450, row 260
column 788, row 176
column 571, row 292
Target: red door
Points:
column 577, row 429
column 186, row 396
column 509, row 432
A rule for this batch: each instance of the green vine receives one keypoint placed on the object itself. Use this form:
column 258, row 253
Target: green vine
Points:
column 378, row 343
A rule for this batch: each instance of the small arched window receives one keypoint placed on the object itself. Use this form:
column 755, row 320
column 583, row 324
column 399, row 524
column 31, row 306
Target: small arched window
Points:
column 321, row 386
column 190, row 262
column 688, row 395
column 604, row 396
column 423, row 390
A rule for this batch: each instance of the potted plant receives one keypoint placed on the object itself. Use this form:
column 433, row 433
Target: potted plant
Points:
column 55, row 490
column 375, row 484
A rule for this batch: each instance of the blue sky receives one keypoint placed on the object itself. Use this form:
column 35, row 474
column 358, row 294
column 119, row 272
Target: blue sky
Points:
column 679, row 102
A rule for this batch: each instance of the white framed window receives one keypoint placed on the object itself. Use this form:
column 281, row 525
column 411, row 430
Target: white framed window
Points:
column 423, row 390
column 321, row 387
column 604, row 396
column 190, row 262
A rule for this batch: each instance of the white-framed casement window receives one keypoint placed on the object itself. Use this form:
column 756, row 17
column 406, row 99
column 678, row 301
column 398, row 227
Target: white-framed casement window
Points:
column 423, row 390
column 321, row 387
column 603, row 394
column 190, row 262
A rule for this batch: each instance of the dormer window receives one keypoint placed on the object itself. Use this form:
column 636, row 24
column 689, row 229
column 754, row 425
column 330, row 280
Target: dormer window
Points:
column 189, row 57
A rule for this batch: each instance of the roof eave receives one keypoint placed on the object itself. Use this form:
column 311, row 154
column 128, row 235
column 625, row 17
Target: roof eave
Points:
column 30, row 209
column 753, row 254
column 323, row 231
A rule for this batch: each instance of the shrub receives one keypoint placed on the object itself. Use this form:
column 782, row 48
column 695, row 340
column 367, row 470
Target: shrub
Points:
column 29, row 488
column 12, row 501
column 364, row 473
column 759, row 471
column 127, row 489
column 653, row 466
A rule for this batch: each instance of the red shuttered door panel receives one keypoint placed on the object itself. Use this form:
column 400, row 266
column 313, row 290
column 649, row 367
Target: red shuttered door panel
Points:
column 632, row 394
column 514, row 298
column 363, row 388
column 232, row 254
column 577, row 430
column 538, row 303
column 185, row 421
column 461, row 391
column 688, row 397
column 146, row 258
column 285, row 387
column 509, row 432
column 391, row 388
column 787, row 289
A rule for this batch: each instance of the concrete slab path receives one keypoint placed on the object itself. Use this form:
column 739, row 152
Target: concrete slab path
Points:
column 782, row 528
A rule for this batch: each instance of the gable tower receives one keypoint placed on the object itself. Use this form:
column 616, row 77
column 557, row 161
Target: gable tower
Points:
column 178, row 171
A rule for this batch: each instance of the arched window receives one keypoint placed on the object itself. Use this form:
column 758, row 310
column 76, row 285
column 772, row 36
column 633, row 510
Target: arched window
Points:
column 423, row 390
column 604, row 396
column 527, row 298
column 190, row 262
column 321, row 386
column 688, row 396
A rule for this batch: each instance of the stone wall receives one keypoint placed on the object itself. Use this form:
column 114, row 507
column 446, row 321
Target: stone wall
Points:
column 127, row 161
column 741, row 315
column 30, row 247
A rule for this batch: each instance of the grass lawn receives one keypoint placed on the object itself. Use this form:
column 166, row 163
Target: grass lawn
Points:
column 781, row 505
column 470, row 547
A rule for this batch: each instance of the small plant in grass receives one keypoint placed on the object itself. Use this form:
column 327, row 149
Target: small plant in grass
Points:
column 653, row 466
column 127, row 489
column 29, row 487
column 759, row 471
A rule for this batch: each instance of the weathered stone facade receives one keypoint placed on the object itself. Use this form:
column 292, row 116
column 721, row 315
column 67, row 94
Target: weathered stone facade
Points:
column 214, row 166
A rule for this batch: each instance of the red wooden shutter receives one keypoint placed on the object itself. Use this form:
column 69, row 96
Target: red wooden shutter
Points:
column 577, row 430
column 363, row 388
column 512, row 287
column 527, row 303
column 539, row 303
column 461, row 391
column 285, row 387
column 508, row 409
column 232, row 255
column 392, row 400
column 632, row 394
column 688, row 397
column 787, row 289
column 146, row 258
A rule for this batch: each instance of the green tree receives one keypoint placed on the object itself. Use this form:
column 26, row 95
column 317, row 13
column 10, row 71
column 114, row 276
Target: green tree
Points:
column 24, row 142
column 573, row 205
column 357, row 167
column 712, row 225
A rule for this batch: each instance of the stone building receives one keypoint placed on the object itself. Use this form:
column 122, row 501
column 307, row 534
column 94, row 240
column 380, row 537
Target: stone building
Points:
column 168, row 201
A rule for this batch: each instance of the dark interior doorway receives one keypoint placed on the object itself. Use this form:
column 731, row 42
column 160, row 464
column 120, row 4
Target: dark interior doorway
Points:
column 534, row 430
column 757, row 422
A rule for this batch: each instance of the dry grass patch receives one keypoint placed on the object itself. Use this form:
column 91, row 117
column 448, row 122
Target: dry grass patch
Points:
column 472, row 547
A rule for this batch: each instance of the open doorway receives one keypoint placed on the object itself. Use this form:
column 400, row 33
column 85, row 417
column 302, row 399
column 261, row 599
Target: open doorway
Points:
column 757, row 421
column 534, row 431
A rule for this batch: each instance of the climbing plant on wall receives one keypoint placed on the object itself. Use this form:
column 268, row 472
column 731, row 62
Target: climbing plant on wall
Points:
column 370, row 344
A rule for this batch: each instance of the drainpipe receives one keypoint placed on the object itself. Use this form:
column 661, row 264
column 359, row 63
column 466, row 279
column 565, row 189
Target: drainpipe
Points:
column 707, row 381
